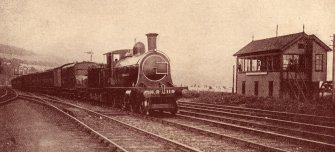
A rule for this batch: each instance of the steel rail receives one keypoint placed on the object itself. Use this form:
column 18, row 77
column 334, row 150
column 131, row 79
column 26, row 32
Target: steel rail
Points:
column 310, row 127
column 16, row 95
column 278, row 113
column 239, row 141
column 94, row 133
column 262, row 114
column 163, row 139
column 4, row 94
column 297, row 140
column 242, row 142
column 279, row 129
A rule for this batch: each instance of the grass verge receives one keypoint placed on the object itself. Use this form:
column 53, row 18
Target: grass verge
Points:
column 321, row 106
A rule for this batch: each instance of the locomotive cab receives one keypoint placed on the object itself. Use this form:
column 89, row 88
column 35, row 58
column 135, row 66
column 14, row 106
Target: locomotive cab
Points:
column 124, row 75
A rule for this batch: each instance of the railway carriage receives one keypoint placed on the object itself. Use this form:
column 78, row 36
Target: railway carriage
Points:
column 74, row 78
column 17, row 83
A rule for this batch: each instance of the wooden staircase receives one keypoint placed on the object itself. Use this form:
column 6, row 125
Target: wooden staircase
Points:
column 296, row 83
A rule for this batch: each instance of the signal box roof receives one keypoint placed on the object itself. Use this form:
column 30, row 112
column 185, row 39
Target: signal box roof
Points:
column 276, row 44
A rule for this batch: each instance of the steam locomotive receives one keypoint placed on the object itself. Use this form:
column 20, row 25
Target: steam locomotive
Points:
column 132, row 79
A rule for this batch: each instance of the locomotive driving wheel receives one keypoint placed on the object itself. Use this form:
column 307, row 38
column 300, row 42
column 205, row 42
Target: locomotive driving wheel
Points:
column 113, row 101
column 174, row 110
column 134, row 106
column 144, row 107
column 125, row 103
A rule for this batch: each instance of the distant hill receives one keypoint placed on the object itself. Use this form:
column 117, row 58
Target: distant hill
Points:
column 29, row 57
column 7, row 49
column 16, row 61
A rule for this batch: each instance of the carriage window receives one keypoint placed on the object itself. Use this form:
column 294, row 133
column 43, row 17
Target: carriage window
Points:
column 319, row 62
column 162, row 68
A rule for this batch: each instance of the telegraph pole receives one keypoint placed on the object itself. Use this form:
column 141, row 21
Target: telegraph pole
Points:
column 333, row 78
column 90, row 53
column 233, row 89
column 277, row 30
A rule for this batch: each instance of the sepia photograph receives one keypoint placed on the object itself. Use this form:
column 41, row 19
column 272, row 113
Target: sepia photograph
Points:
column 167, row 75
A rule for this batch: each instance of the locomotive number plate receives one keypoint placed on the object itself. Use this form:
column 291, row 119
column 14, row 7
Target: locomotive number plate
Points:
column 157, row 92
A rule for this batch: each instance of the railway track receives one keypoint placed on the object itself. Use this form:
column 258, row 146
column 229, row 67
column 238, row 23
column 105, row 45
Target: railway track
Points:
column 239, row 137
column 123, row 136
column 74, row 125
column 200, row 139
column 303, row 118
column 319, row 137
column 81, row 140
column 7, row 95
column 3, row 92
column 62, row 131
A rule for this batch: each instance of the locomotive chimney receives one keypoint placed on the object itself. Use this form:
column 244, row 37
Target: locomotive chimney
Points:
column 152, row 41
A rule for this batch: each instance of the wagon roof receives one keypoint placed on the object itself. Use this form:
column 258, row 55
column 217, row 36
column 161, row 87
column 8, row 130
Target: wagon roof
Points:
column 76, row 63
column 64, row 65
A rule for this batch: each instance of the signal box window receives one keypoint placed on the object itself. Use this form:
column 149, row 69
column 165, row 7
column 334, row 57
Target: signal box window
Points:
column 293, row 61
column 261, row 63
column 319, row 62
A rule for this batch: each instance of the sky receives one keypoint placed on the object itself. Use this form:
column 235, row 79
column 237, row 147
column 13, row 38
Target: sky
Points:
column 200, row 37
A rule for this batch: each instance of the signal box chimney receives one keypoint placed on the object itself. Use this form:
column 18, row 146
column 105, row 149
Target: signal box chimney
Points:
column 152, row 41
